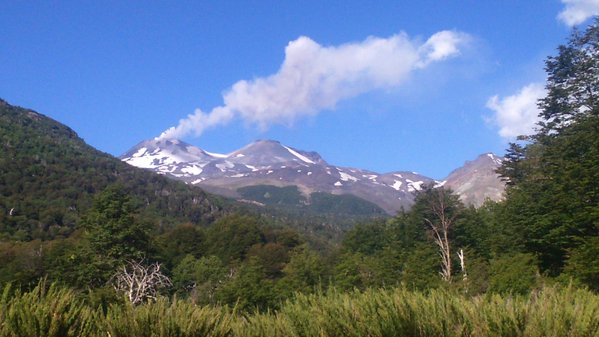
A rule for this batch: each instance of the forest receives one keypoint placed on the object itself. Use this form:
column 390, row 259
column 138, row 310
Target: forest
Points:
column 121, row 264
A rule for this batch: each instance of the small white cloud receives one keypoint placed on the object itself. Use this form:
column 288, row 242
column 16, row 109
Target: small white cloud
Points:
column 313, row 78
column 577, row 11
column 517, row 114
column 442, row 45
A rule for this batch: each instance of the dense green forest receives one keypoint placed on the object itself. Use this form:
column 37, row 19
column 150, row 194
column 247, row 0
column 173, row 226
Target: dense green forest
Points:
column 500, row 269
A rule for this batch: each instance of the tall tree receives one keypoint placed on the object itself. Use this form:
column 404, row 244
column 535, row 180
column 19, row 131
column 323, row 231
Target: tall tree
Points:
column 439, row 209
column 572, row 81
column 112, row 231
column 553, row 202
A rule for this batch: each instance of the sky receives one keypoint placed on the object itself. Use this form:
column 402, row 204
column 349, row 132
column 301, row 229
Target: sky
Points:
column 381, row 85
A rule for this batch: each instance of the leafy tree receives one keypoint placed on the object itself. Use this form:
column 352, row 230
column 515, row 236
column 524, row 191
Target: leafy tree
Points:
column 182, row 240
column 366, row 238
column 249, row 289
column 583, row 264
column 231, row 237
column 272, row 256
column 304, row 272
column 516, row 273
column 572, row 81
column 421, row 268
column 113, row 234
column 553, row 202
column 200, row 279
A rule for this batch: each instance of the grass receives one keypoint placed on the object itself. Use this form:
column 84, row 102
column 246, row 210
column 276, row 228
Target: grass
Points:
column 552, row 311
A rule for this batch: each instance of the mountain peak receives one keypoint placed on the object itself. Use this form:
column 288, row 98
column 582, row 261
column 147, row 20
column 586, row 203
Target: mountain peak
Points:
column 477, row 180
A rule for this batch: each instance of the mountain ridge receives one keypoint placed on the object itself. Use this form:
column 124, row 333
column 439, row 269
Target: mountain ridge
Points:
column 269, row 162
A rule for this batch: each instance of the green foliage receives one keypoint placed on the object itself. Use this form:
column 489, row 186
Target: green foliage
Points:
column 113, row 233
column 167, row 319
column 231, row 237
column 552, row 205
column 182, row 240
column 551, row 311
column 48, row 177
column 289, row 197
column 45, row 311
column 421, row 268
column 583, row 264
column 200, row 278
column 111, row 228
column 397, row 312
column 366, row 238
column 347, row 204
column 304, row 272
column 572, row 80
column 516, row 274
column 249, row 289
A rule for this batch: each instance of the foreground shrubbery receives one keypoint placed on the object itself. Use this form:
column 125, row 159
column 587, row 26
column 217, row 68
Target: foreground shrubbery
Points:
column 54, row 311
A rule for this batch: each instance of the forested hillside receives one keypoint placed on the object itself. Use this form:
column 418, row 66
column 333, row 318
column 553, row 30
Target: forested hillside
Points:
column 48, row 177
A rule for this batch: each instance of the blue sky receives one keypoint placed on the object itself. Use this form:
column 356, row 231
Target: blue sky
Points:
column 381, row 85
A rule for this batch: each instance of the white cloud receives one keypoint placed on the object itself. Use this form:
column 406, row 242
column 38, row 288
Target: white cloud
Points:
column 517, row 114
column 313, row 78
column 577, row 11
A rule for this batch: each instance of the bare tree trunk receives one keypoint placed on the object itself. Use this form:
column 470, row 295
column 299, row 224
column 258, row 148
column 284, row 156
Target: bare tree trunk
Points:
column 440, row 226
column 463, row 265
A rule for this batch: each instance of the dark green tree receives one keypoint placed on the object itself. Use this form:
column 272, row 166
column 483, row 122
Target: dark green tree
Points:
column 553, row 201
column 572, row 81
column 113, row 233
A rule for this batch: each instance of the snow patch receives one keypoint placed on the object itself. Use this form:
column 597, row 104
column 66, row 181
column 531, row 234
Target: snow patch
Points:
column 300, row 156
column 414, row 185
column 140, row 152
column 193, row 170
column 397, row 185
column 495, row 159
column 309, row 173
column 338, row 183
column 347, row 177
column 440, row 183
column 217, row 155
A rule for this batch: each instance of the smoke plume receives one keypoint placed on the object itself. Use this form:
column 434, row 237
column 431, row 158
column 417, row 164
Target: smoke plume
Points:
column 313, row 78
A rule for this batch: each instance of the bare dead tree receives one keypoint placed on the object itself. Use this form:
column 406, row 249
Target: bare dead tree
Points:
column 463, row 265
column 461, row 256
column 440, row 223
column 140, row 282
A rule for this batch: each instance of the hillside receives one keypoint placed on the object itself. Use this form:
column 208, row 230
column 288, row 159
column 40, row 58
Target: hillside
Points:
column 48, row 176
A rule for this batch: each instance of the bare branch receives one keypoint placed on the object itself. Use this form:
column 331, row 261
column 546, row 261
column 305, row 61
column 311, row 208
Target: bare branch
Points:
column 139, row 282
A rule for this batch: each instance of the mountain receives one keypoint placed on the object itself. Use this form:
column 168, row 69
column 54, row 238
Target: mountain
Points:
column 477, row 180
column 270, row 163
column 49, row 176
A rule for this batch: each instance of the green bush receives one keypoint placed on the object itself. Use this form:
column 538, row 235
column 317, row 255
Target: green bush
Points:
column 45, row 311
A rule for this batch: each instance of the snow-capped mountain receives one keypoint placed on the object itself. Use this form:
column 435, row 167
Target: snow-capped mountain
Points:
column 267, row 162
